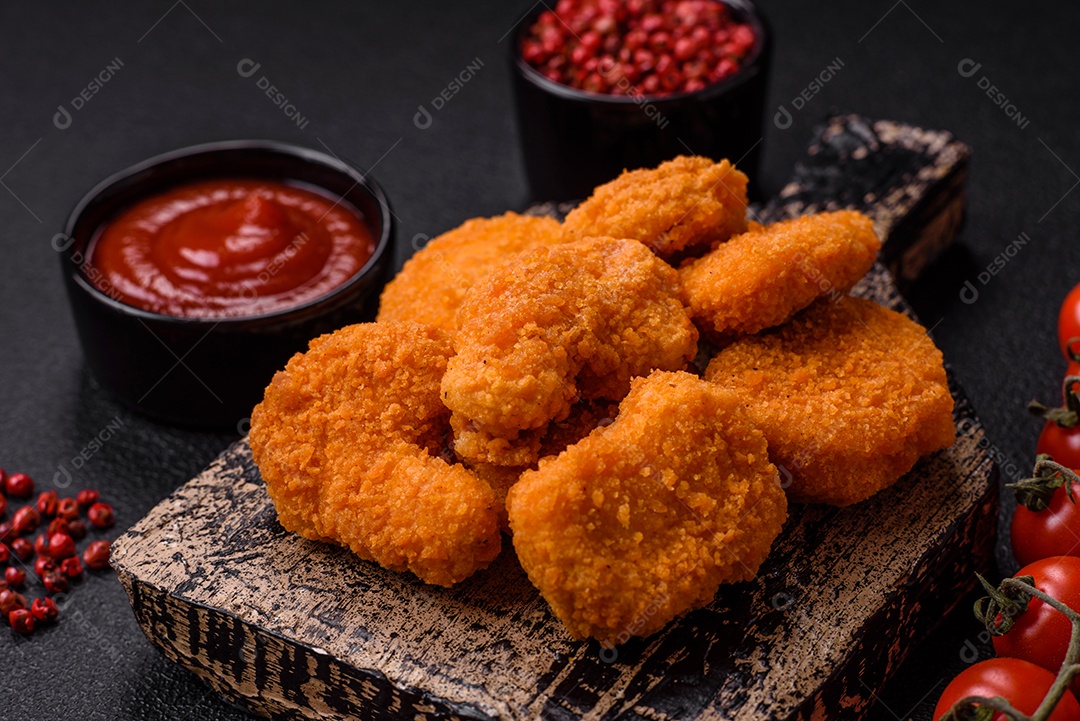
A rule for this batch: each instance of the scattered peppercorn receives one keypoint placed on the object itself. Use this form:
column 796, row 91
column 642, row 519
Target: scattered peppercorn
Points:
column 11, row 600
column 19, row 485
column 71, row 567
column 76, row 529
column 58, row 525
column 44, row 610
column 25, row 521
column 68, row 509
column 57, row 560
column 23, row 549
column 43, row 565
column 15, row 577
column 61, row 546
column 87, row 497
column 97, row 554
column 46, row 504
column 637, row 47
column 41, row 545
column 55, row 582
column 101, row 515
column 21, row 620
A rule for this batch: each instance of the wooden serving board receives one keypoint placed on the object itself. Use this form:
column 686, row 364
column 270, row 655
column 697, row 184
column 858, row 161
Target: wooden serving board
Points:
column 298, row 629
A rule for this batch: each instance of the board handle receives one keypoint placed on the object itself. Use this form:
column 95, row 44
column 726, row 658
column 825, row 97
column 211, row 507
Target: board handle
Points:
column 911, row 181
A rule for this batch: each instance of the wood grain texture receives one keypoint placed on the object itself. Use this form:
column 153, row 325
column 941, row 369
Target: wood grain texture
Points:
column 293, row 628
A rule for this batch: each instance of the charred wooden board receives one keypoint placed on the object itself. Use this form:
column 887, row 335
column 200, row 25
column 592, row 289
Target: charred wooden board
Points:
column 293, row 628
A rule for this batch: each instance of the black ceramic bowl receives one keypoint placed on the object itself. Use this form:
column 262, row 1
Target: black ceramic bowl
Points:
column 210, row 372
column 574, row 140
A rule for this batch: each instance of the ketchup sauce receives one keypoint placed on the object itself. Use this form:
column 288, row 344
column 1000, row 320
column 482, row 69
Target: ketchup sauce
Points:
column 229, row 248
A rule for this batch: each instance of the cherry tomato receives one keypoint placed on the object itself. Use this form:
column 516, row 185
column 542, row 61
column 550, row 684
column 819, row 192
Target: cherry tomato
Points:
column 1069, row 319
column 1060, row 442
column 1053, row 531
column 1041, row 634
column 1021, row 683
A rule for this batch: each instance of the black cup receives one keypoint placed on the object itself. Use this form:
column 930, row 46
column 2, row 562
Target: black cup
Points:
column 573, row 140
column 210, row 372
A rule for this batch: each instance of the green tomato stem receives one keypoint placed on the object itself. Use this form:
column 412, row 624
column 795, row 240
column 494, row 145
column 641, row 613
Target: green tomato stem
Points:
column 1073, row 355
column 1069, row 667
column 965, row 709
column 1010, row 600
column 1066, row 416
column 1034, row 493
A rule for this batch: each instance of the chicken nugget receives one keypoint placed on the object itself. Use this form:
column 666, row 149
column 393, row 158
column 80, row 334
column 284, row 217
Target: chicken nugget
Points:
column 430, row 287
column 584, row 418
column 347, row 438
column 643, row 519
column 574, row 320
column 479, row 448
column 644, row 324
column 759, row 279
column 684, row 202
column 476, row 445
column 849, row 395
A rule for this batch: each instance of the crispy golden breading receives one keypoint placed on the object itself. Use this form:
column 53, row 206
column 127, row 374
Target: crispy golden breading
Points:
column 431, row 285
column 643, row 519
column 688, row 201
column 522, row 452
column 478, row 446
column 501, row 479
column 644, row 325
column 347, row 439
column 759, row 279
column 553, row 439
column 849, row 395
column 574, row 320
column 585, row 417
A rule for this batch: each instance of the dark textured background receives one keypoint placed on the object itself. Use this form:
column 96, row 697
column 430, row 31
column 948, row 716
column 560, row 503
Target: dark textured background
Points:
column 357, row 71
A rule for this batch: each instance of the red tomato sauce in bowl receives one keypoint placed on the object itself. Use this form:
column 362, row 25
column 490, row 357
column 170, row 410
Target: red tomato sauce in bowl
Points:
column 229, row 248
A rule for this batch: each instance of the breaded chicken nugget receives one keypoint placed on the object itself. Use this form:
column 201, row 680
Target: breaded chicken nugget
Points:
column 849, row 395
column 481, row 448
column 688, row 201
column 644, row 324
column 431, row 285
column 643, row 519
column 475, row 445
column 574, row 320
column 584, row 418
column 347, row 439
column 759, row 279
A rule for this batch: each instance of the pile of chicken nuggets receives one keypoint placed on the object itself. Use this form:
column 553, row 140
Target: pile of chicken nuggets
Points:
column 537, row 379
